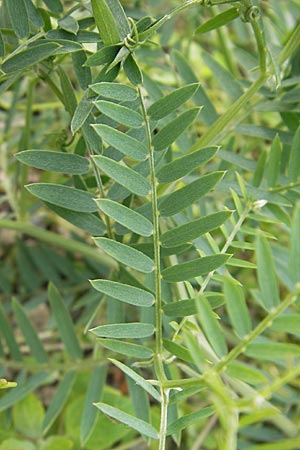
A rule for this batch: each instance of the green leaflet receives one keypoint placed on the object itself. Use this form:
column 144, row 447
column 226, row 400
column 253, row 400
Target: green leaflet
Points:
column 192, row 230
column 138, row 379
column 105, row 22
column 123, row 175
column 127, row 145
column 125, row 348
column 181, row 308
column 286, row 444
column 81, row 114
column 170, row 132
column 294, row 260
column 125, row 254
column 288, row 323
column 218, row 21
column 54, row 161
column 177, row 350
column 194, row 268
column 64, row 196
column 68, row 23
column 59, row 400
column 266, row 274
column 169, row 103
column 83, row 73
column 124, row 292
column 124, row 330
column 272, row 351
column 88, row 222
column 94, row 393
column 186, row 164
column 121, row 114
column 64, row 322
column 176, row 201
column 54, row 5
column 29, row 57
column 189, row 419
column 127, row 217
column 2, row 47
column 246, row 373
column 236, row 307
column 294, row 162
column 69, row 99
column 8, row 335
column 273, row 168
column 105, row 55
column 139, row 425
column 19, row 18
column 211, row 327
column 115, row 91
column 33, row 14
column 132, row 70
column 31, row 337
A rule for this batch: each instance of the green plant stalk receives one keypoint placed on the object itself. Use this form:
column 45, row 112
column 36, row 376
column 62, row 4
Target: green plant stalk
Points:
column 158, row 358
column 59, row 241
column 291, row 46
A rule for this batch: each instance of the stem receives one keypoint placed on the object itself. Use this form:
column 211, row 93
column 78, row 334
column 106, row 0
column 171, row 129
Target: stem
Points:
column 163, row 418
column 158, row 363
column 59, row 241
column 156, row 243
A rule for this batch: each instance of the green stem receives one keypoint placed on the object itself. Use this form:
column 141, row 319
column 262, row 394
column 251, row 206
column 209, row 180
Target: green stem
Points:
column 156, row 242
column 158, row 359
column 290, row 47
column 59, row 241
column 163, row 418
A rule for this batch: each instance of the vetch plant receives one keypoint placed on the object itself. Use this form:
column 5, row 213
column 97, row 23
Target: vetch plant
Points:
column 176, row 216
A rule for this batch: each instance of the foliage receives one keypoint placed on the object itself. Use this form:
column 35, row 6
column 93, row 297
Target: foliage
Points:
column 174, row 142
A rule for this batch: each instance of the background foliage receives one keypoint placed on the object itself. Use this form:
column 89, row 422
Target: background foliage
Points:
column 196, row 115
